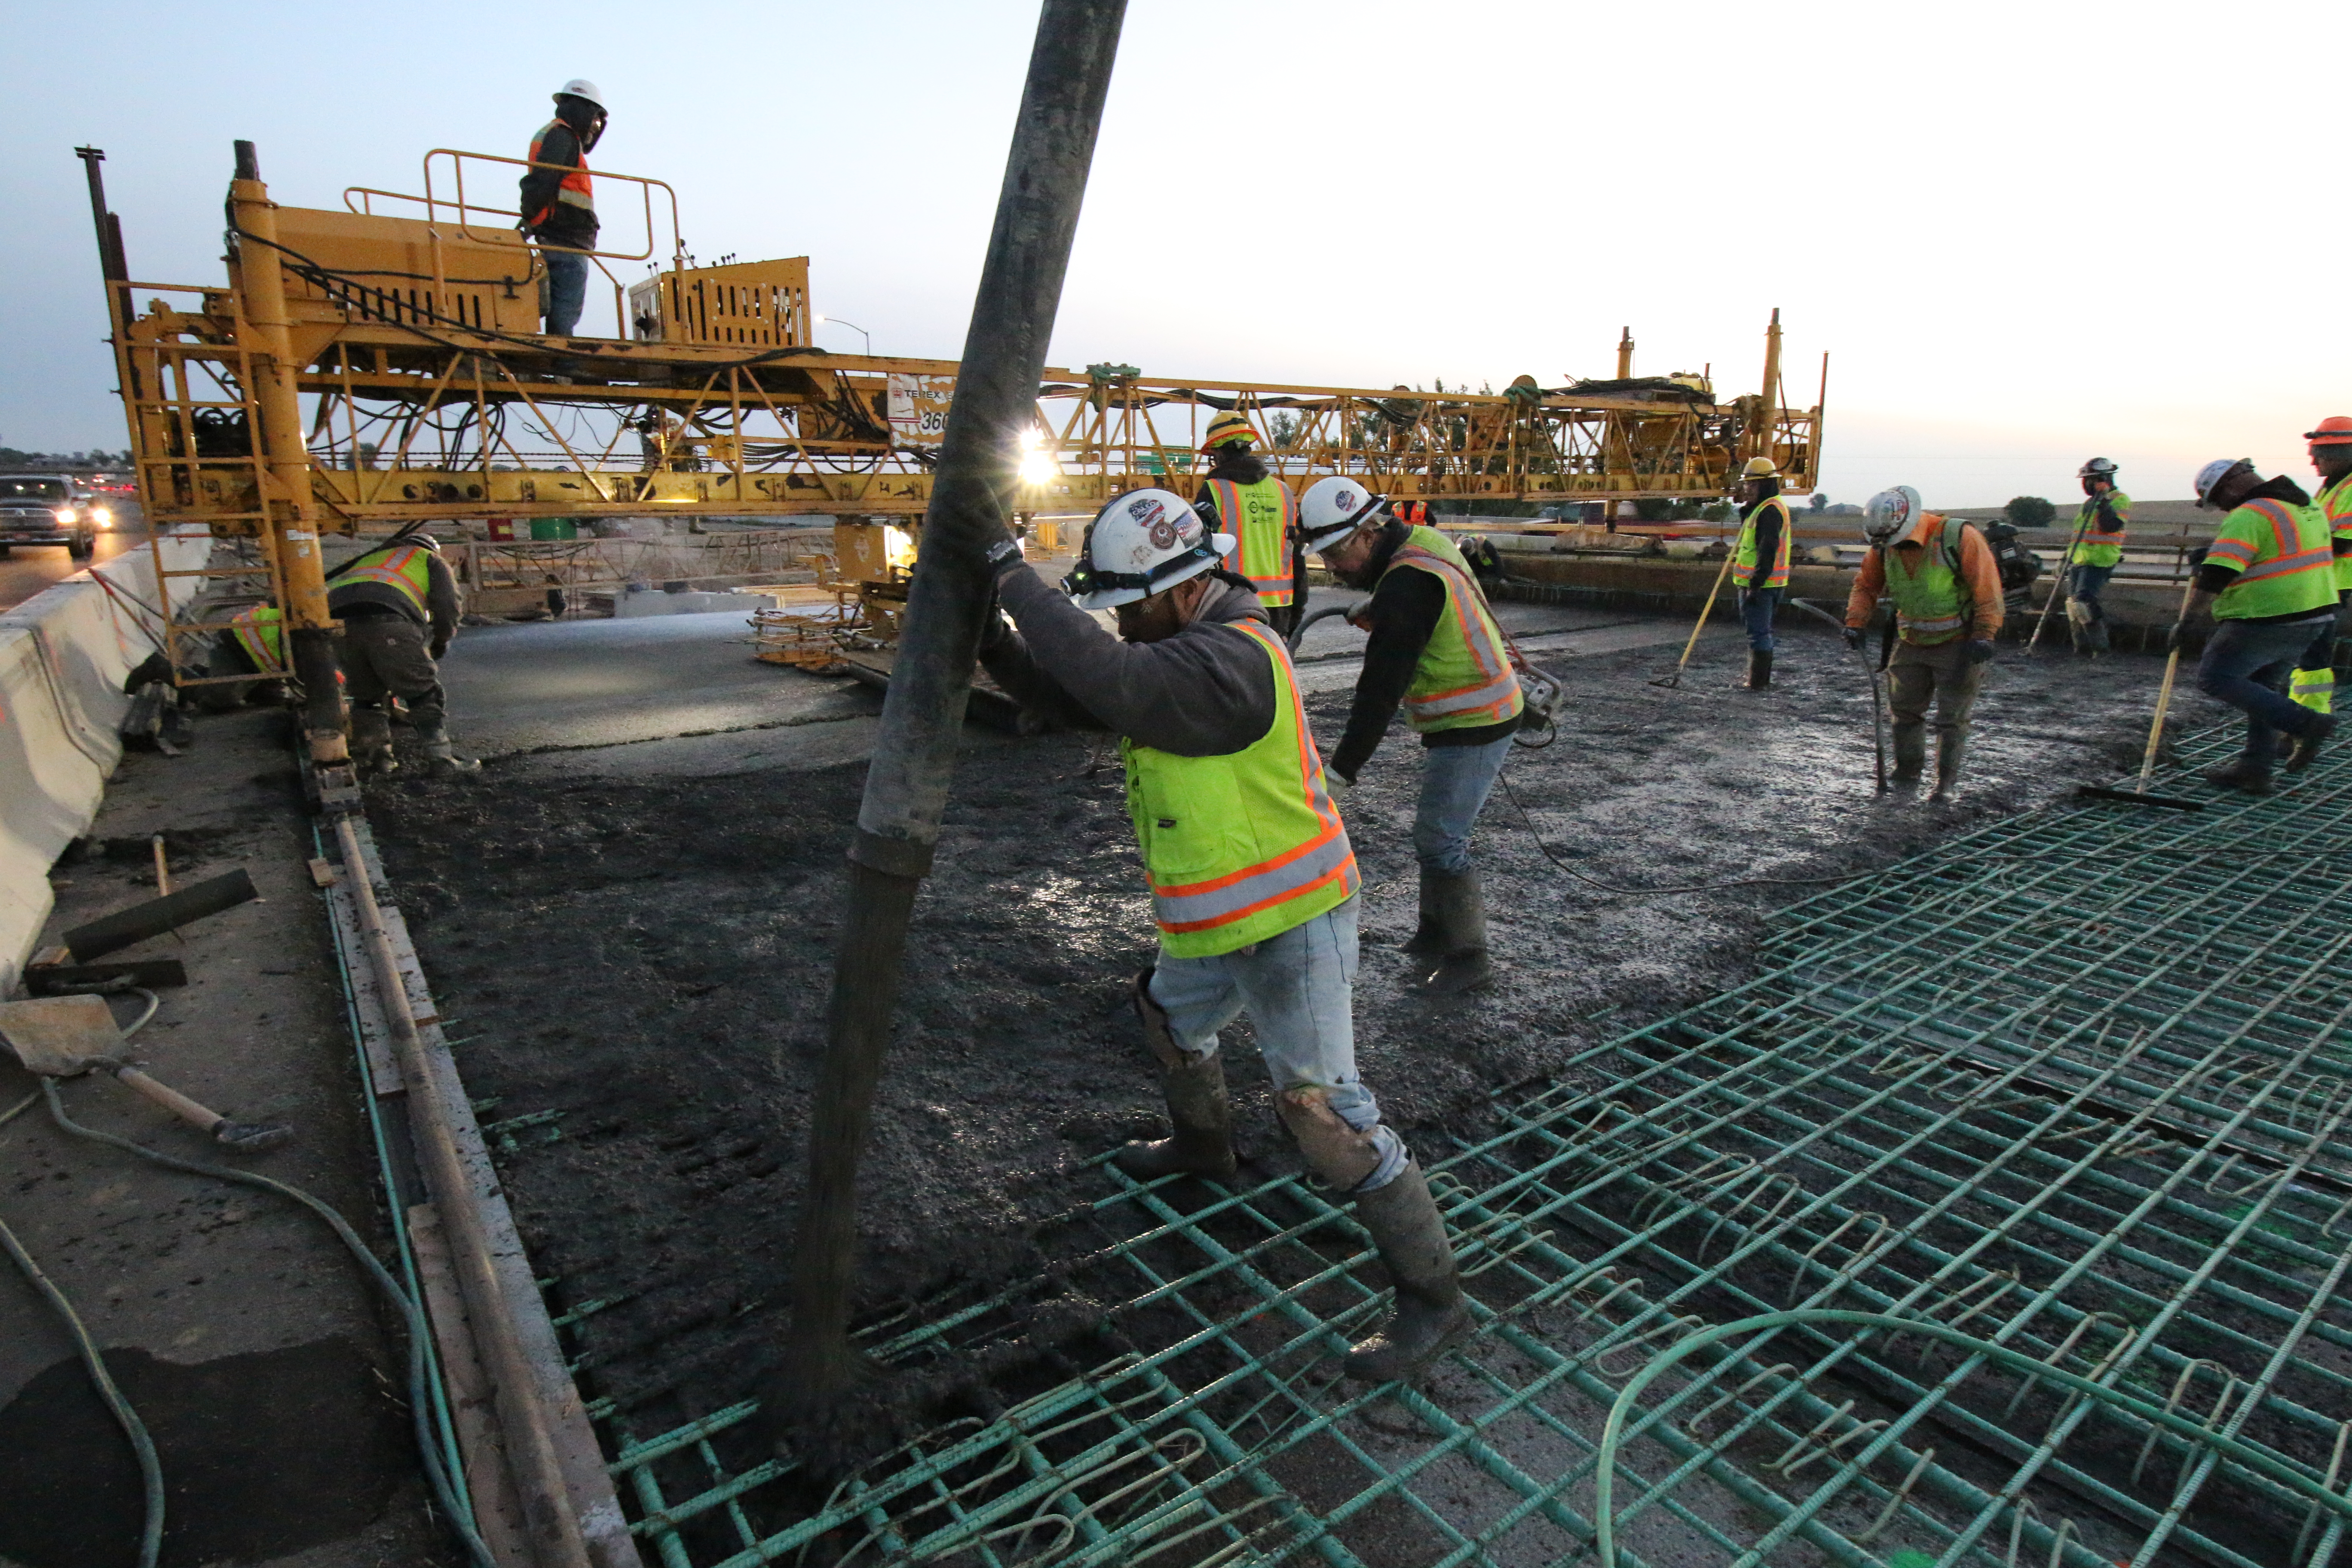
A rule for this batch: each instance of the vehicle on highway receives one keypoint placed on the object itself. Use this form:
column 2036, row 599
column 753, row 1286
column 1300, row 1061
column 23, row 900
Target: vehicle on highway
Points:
column 46, row 509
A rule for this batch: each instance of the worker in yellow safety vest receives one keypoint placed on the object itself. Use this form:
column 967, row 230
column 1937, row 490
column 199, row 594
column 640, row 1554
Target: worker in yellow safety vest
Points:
column 1247, row 500
column 1436, row 650
column 2313, row 682
column 2100, row 525
column 559, row 201
column 1947, row 610
column 1761, row 562
column 398, row 603
column 1253, row 880
column 2269, row 578
column 252, row 644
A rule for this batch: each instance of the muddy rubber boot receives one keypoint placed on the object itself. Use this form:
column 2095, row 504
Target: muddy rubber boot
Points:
column 432, row 740
column 1910, row 753
column 2307, row 747
column 1759, row 672
column 372, row 741
column 1430, row 1317
column 2248, row 776
column 1462, row 962
column 1202, row 1142
column 1428, row 939
column 1949, row 751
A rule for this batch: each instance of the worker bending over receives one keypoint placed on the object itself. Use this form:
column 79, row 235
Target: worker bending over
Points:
column 559, row 202
column 1762, row 563
column 2268, row 577
column 2099, row 526
column 1948, row 604
column 1436, row 650
column 1253, row 880
column 398, row 603
column 2313, row 683
column 1246, row 501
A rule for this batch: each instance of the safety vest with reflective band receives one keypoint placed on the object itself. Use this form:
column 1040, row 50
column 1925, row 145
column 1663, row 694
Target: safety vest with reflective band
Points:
column 1242, row 846
column 408, row 568
column 1464, row 677
column 2101, row 546
column 574, row 190
column 1746, row 559
column 257, row 632
column 2336, row 502
column 2285, row 560
column 1932, row 602
column 1260, row 518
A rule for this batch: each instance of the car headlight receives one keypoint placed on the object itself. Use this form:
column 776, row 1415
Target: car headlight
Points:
column 65, row 514
column 103, row 517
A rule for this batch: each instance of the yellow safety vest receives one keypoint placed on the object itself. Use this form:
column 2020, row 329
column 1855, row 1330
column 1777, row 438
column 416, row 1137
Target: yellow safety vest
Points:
column 256, row 631
column 1932, row 604
column 2336, row 500
column 2101, row 546
column 1243, row 847
column 1746, row 558
column 2285, row 560
column 408, row 568
column 1464, row 677
column 1260, row 518
column 577, row 188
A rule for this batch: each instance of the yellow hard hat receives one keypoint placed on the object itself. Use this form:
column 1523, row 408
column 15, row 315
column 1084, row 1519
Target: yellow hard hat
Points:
column 1233, row 425
column 1759, row 469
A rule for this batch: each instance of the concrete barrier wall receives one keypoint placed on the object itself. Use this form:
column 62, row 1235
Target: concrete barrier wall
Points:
column 63, row 655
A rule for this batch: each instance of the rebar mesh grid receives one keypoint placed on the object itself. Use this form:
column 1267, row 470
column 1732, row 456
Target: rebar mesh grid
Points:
column 2070, row 1094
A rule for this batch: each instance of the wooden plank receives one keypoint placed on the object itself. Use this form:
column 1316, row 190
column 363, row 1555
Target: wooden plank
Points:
column 498, row 1513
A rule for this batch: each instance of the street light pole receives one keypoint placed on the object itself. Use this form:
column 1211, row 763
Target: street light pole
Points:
column 854, row 327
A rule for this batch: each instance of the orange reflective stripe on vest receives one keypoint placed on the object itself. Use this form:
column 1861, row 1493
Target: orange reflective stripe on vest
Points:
column 575, row 189
column 405, row 568
column 1262, row 517
column 2286, row 555
column 1482, row 687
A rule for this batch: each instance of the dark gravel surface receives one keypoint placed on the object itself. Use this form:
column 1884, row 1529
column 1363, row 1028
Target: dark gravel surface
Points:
column 650, row 958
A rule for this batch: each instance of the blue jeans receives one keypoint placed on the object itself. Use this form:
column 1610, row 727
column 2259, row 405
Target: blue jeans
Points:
column 567, row 290
column 1299, row 990
column 2246, row 666
column 1757, row 608
column 1454, row 782
column 2087, row 583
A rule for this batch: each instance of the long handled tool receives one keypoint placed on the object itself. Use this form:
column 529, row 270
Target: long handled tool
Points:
column 64, row 1036
column 1676, row 680
column 2058, row 584
column 1877, row 694
column 2139, row 796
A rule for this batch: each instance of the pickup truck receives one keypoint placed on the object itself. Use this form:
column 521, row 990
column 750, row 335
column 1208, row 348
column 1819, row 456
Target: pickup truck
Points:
column 48, row 508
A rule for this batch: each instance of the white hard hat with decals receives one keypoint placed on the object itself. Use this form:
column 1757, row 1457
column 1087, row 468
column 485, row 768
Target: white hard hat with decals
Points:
column 1891, row 512
column 2214, row 472
column 1142, row 543
column 581, row 87
column 1335, row 508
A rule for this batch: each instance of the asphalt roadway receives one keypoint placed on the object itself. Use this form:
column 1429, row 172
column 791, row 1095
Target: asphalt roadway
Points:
column 29, row 568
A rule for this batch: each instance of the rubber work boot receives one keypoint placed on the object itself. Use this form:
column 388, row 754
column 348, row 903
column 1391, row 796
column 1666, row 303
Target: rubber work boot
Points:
column 1429, row 938
column 1949, row 751
column 1430, row 1317
column 1759, row 672
column 1461, row 911
column 2248, row 775
column 2306, row 746
column 371, row 741
column 432, row 740
column 1202, row 1142
column 1910, row 752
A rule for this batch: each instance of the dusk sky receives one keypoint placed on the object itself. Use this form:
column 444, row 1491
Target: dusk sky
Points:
column 2025, row 233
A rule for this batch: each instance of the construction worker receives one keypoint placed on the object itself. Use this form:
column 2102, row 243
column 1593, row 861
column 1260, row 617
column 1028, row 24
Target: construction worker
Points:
column 398, row 603
column 1253, row 880
column 2313, row 682
column 2268, row 577
column 1436, row 648
column 251, row 644
column 1947, row 607
column 1257, row 509
column 559, row 202
column 2098, row 546
column 1761, row 561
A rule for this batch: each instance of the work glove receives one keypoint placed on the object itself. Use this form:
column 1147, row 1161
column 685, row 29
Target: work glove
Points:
column 1980, row 651
column 1002, row 556
column 1337, row 784
column 2175, row 635
column 1854, row 637
column 438, row 649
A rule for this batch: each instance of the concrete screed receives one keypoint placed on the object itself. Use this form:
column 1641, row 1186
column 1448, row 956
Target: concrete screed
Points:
column 628, row 918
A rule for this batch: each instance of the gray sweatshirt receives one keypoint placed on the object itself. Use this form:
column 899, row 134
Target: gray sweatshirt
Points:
column 1205, row 692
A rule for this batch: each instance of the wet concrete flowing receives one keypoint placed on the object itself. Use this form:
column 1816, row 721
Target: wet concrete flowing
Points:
column 638, row 964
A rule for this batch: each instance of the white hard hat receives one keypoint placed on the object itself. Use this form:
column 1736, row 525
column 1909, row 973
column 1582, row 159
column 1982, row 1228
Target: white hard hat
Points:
column 2213, row 473
column 581, row 87
column 1891, row 512
column 1335, row 508
column 1142, row 543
